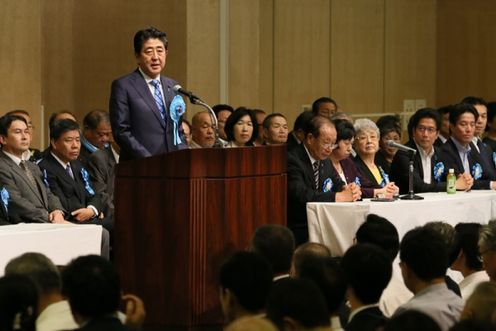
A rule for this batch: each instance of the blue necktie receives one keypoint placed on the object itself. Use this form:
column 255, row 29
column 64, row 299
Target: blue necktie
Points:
column 157, row 95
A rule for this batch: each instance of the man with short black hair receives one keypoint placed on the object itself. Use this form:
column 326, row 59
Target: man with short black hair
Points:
column 324, row 106
column 222, row 111
column 424, row 260
column 276, row 244
column 275, row 128
column 368, row 271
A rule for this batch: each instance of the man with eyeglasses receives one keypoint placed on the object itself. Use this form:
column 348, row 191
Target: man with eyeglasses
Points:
column 459, row 153
column 310, row 178
column 429, row 169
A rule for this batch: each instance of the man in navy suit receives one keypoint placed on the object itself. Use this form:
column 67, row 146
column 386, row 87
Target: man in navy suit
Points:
column 144, row 109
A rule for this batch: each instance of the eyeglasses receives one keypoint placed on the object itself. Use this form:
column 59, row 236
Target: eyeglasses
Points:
column 330, row 146
column 424, row 129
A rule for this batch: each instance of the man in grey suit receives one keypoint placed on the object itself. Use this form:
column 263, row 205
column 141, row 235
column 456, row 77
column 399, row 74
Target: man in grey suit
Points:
column 145, row 110
column 28, row 199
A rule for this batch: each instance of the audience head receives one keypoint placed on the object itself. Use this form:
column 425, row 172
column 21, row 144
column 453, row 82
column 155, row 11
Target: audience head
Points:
column 39, row 268
column 306, row 251
column 18, row 303
column 345, row 133
column 480, row 106
column 276, row 129
column 491, row 116
column 65, row 140
column 444, row 113
column 481, row 305
column 379, row 231
column 320, row 139
column 411, row 320
column 222, row 112
column 463, row 118
column 446, row 230
column 245, row 282
column 390, row 129
column 150, row 50
column 96, row 128
column 301, row 124
column 260, row 117
column 487, row 248
column 424, row 257
column 202, row 129
column 465, row 253
column 23, row 113
column 276, row 243
column 14, row 134
column 241, row 127
column 186, row 126
column 368, row 271
column 61, row 115
column 297, row 304
column 367, row 137
column 92, row 287
column 423, row 127
column 324, row 106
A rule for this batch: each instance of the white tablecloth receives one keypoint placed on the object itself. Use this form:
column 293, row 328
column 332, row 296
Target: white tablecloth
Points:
column 335, row 224
column 60, row 242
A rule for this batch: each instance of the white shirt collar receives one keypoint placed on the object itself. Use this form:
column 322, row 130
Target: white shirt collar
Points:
column 312, row 160
column 14, row 158
column 64, row 165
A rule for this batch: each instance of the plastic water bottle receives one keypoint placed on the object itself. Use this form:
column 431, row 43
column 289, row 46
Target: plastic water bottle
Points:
column 450, row 182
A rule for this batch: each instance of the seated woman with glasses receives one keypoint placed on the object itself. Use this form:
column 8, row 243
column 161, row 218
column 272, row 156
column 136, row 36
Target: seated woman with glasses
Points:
column 390, row 129
column 241, row 128
column 345, row 167
column 366, row 146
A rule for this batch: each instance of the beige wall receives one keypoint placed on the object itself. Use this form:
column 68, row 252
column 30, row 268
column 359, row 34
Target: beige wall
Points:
column 369, row 55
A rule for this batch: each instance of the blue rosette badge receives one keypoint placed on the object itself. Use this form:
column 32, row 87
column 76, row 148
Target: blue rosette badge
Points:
column 476, row 171
column 45, row 179
column 357, row 181
column 494, row 158
column 5, row 198
column 86, row 180
column 439, row 171
column 385, row 177
column 327, row 186
column 177, row 109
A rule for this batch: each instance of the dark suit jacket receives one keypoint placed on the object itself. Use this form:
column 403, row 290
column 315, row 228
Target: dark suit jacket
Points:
column 26, row 203
column 369, row 319
column 71, row 192
column 351, row 173
column 301, row 187
column 101, row 168
column 292, row 142
column 366, row 173
column 136, row 122
column 485, row 154
column 452, row 160
column 400, row 169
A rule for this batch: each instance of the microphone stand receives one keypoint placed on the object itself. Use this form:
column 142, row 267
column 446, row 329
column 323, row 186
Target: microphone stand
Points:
column 196, row 101
column 411, row 195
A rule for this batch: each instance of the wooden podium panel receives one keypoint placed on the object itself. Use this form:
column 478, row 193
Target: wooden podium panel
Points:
column 180, row 215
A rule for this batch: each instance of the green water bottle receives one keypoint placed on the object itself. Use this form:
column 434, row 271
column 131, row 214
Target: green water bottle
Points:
column 450, row 182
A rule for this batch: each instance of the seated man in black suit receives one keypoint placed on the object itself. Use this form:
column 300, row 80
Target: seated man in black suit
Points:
column 24, row 194
column 429, row 171
column 310, row 176
column 459, row 153
column 368, row 271
column 69, row 180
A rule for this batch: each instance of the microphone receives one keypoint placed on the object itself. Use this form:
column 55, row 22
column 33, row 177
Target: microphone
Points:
column 404, row 148
column 192, row 98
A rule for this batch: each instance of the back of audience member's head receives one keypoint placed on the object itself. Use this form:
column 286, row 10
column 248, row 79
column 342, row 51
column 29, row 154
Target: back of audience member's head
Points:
column 297, row 304
column 18, row 303
column 92, row 287
column 379, row 231
column 466, row 242
column 481, row 305
column 245, row 279
column 368, row 271
column 447, row 232
column 470, row 325
column 307, row 250
column 39, row 268
column 327, row 273
column 424, row 251
column 411, row 320
column 301, row 122
column 276, row 243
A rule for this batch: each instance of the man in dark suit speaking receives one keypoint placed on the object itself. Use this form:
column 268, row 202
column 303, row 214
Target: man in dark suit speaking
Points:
column 144, row 109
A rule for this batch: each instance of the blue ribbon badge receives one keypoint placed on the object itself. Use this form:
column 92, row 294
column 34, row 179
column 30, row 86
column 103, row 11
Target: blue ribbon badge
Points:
column 476, row 171
column 45, row 179
column 357, row 181
column 177, row 109
column 327, row 186
column 438, row 171
column 86, row 179
column 5, row 198
column 494, row 158
column 385, row 177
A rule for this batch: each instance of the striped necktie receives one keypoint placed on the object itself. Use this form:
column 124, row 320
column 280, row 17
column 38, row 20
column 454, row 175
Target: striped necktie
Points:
column 316, row 174
column 157, row 95
column 28, row 172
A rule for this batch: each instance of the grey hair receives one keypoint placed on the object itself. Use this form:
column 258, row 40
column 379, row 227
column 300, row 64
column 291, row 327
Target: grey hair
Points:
column 487, row 237
column 363, row 124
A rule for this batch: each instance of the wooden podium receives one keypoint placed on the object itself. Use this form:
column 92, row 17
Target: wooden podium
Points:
column 178, row 216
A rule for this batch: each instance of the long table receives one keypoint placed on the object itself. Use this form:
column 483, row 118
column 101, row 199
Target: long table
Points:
column 335, row 224
column 60, row 242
